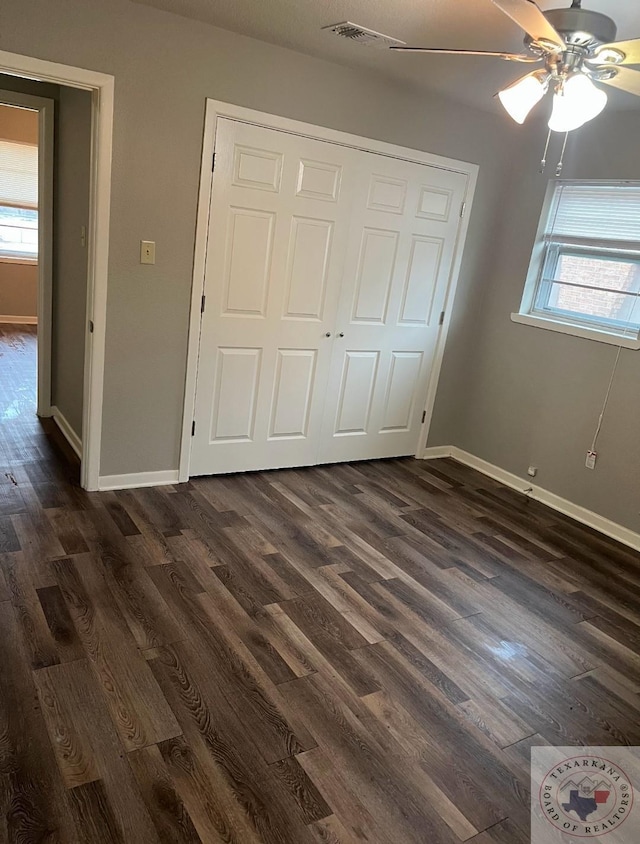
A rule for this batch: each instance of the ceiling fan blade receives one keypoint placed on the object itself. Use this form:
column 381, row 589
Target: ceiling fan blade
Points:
column 508, row 57
column 625, row 79
column 530, row 18
column 630, row 51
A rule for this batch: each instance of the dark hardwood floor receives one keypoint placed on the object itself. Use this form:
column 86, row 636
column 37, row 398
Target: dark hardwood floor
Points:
column 353, row 653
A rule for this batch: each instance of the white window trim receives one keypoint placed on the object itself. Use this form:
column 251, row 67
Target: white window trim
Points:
column 577, row 330
column 527, row 316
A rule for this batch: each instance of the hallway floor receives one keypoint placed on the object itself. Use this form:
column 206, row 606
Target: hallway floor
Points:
column 353, row 653
column 20, row 433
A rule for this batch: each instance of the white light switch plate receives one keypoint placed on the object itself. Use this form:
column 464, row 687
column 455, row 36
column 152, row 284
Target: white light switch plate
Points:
column 147, row 252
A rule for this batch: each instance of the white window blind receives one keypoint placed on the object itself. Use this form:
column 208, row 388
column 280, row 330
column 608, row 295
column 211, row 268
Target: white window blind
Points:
column 18, row 175
column 595, row 212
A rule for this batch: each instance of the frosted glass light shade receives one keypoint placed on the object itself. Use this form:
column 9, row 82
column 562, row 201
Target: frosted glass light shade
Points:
column 578, row 102
column 519, row 98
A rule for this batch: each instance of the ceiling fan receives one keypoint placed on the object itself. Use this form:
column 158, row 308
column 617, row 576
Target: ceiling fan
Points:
column 577, row 47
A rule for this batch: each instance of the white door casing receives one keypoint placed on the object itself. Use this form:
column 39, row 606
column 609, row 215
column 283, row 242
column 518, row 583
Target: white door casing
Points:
column 308, row 237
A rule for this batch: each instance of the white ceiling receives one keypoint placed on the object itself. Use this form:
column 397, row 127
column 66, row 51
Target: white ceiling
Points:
column 464, row 24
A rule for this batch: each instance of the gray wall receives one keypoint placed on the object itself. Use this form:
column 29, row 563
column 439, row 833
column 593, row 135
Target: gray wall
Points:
column 70, row 214
column 165, row 66
column 533, row 396
column 18, row 289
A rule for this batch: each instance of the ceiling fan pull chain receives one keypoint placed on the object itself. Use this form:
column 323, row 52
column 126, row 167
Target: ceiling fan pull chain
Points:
column 543, row 163
column 561, row 162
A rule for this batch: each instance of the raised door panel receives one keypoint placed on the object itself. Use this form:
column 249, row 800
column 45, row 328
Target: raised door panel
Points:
column 235, row 394
column 248, row 262
column 319, row 180
column 387, row 194
column 259, row 169
column 435, row 203
column 423, row 269
column 307, row 268
column 376, row 265
column 293, row 389
column 400, row 395
column 356, row 392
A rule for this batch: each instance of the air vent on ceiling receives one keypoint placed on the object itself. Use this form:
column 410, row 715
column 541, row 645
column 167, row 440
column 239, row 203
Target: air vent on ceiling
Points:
column 362, row 35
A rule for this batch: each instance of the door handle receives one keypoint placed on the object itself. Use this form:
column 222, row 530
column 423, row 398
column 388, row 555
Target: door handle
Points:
column 328, row 334
column 341, row 334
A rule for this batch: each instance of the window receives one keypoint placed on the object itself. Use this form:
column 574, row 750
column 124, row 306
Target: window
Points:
column 584, row 276
column 18, row 201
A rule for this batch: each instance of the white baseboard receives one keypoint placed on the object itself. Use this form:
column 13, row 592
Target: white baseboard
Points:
column 18, row 320
column 438, row 451
column 562, row 505
column 69, row 434
column 138, row 479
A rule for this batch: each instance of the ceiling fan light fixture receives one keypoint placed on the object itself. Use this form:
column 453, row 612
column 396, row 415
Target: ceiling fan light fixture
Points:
column 518, row 99
column 578, row 101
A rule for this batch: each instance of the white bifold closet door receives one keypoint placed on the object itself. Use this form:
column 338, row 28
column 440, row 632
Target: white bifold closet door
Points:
column 326, row 273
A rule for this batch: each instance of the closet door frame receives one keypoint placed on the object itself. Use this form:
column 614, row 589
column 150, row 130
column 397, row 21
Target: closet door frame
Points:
column 216, row 109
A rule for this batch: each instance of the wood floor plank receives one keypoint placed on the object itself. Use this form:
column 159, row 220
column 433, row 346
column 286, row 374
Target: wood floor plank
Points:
column 89, row 750
column 94, row 815
column 39, row 543
column 35, row 630
column 8, row 537
column 312, row 804
column 139, row 710
column 168, row 813
column 261, row 717
column 56, row 613
column 331, row 831
column 220, row 745
column 66, row 531
column 396, row 814
column 33, row 803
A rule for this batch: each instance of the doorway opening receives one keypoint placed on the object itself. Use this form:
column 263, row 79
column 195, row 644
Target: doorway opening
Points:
column 68, row 329
column 36, row 323
column 24, row 271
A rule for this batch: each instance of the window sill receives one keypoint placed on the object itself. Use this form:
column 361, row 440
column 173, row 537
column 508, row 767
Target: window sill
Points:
column 577, row 331
column 10, row 259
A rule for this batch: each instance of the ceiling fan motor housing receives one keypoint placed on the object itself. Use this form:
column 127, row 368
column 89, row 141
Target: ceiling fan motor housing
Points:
column 581, row 27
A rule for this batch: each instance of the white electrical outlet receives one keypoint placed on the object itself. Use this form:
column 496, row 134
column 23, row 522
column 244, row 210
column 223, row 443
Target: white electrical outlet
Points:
column 147, row 252
column 590, row 462
column 532, row 471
